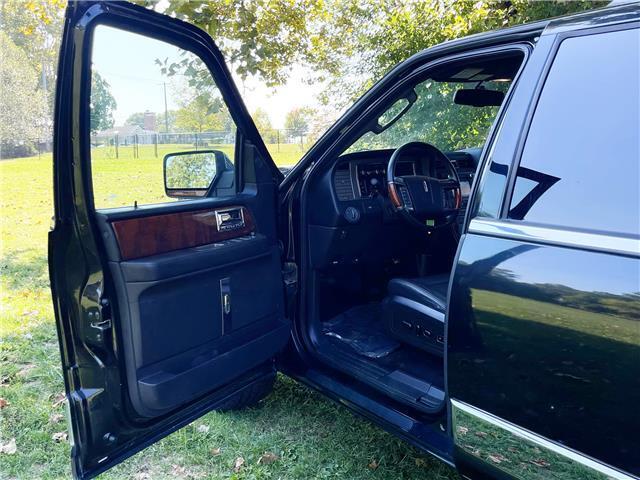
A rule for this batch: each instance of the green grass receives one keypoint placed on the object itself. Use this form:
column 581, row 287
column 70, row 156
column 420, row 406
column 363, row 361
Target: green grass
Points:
column 124, row 180
column 312, row 437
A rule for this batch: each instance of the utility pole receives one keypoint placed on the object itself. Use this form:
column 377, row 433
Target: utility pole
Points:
column 166, row 112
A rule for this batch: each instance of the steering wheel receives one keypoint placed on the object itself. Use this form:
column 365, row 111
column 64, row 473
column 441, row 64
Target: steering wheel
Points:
column 424, row 201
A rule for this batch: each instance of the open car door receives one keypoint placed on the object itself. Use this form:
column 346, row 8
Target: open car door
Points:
column 164, row 309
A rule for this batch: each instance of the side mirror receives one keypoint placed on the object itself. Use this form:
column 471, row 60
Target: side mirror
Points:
column 191, row 174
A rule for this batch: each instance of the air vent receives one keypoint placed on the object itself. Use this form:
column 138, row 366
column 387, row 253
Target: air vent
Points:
column 342, row 184
column 462, row 160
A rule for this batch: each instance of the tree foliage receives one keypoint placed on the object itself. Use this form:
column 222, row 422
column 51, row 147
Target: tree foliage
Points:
column 195, row 170
column 136, row 118
column 401, row 29
column 406, row 28
column 435, row 118
column 263, row 37
column 263, row 124
column 102, row 104
column 35, row 26
column 168, row 125
column 262, row 120
column 350, row 42
column 298, row 121
column 23, row 109
column 203, row 113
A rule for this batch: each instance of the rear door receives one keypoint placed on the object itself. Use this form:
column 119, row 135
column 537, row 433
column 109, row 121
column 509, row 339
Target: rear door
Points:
column 543, row 327
column 164, row 263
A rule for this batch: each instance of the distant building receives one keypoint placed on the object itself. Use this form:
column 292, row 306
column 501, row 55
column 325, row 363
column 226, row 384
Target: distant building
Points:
column 150, row 121
column 125, row 134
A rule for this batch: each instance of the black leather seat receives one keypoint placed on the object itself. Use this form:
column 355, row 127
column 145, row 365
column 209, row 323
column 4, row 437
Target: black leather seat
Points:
column 431, row 291
column 414, row 311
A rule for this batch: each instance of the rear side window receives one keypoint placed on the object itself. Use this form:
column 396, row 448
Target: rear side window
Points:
column 580, row 164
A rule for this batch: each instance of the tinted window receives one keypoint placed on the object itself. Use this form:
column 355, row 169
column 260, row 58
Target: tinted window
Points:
column 434, row 118
column 150, row 100
column 579, row 167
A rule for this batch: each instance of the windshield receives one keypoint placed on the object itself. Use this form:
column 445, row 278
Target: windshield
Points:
column 435, row 118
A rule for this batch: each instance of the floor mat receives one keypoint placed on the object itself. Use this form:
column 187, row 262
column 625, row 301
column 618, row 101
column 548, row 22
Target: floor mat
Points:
column 362, row 329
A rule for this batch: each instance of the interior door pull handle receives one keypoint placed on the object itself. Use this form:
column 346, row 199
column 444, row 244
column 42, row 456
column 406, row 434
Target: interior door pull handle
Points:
column 226, row 303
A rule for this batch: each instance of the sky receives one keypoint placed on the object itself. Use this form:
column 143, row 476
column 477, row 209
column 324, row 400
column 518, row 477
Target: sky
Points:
column 127, row 62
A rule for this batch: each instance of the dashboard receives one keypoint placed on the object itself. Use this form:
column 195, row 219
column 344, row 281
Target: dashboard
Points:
column 351, row 222
column 363, row 176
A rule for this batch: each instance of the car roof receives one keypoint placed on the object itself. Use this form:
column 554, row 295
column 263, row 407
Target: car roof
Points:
column 614, row 13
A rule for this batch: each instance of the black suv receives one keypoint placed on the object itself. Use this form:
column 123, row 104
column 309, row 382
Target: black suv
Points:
column 476, row 292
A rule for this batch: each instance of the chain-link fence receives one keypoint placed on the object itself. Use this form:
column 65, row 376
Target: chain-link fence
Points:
column 151, row 144
column 286, row 146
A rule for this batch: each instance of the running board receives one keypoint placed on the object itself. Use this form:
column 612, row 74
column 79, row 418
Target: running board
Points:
column 427, row 437
column 400, row 386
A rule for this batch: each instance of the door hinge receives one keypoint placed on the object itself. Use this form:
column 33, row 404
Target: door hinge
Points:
column 100, row 324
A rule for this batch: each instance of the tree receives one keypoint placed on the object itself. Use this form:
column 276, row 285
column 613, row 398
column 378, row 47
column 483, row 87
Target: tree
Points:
column 406, row 28
column 262, row 37
column 23, row 109
column 350, row 42
column 436, row 119
column 169, row 125
column 35, row 27
column 135, row 119
column 323, row 118
column 298, row 120
column 203, row 113
column 401, row 29
column 102, row 104
column 195, row 170
column 264, row 126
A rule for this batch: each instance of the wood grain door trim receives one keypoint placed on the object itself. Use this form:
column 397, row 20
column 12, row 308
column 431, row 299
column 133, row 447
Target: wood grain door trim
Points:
column 146, row 236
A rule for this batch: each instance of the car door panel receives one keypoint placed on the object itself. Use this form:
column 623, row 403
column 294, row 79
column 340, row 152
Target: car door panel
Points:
column 161, row 315
column 542, row 334
column 179, row 337
column 541, row 342
column 171, row 265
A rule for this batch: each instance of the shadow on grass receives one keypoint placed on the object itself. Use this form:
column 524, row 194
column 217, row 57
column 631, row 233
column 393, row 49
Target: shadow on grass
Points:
column 24, row 269
column 312, row 437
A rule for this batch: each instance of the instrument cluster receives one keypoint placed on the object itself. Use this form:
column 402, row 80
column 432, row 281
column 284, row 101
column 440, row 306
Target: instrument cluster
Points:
column 372, row 177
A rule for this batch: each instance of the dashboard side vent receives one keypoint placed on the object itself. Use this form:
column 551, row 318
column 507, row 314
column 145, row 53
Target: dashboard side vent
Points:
column 462, row 160
column 342, row 184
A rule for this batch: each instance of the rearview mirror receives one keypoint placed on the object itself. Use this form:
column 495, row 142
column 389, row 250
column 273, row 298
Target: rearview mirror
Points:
column 479, row 97
column 191, row 174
